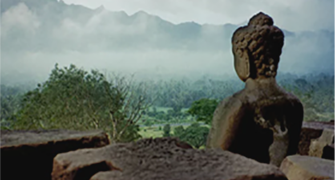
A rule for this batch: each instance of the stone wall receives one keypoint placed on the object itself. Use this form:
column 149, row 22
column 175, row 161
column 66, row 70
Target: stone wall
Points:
column 65, row 155
column 29, row 154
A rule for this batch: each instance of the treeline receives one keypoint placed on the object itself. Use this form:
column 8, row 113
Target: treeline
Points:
column 181, row 93
column 73, row 98
column 315, row 91
column 11, row 100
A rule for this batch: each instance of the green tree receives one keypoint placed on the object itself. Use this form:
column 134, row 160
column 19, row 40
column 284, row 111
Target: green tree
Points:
column 166, row 130
column 10, row 99
column 203, row 110
column 194, row 134
column 178, row 131
column 73, row 98
column 148, row 123
column 176, row 112
column 9, row 106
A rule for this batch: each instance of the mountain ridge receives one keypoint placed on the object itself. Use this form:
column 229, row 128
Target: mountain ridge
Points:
column 137, row 27
column 52, row 27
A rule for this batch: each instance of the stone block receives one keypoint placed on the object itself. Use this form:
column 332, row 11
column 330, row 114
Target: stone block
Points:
column 309, row 131
column 159, row 159
column 299, row 167
column 29, row 154
column 323, row 146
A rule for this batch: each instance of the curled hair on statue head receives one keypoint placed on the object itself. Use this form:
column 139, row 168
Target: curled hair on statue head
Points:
column 257, row 48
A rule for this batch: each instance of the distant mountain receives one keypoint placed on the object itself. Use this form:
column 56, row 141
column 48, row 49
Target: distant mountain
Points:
column 62, row 27
column 55, row 27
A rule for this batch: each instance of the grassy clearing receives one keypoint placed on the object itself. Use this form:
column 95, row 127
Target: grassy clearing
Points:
column 165, row 109
column 157, row 120
column 154, row 132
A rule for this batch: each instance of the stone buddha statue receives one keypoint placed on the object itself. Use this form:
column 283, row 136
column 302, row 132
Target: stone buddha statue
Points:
column 262, row 121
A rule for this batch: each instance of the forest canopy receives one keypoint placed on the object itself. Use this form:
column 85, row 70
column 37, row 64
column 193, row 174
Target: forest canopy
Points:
column 73, row 98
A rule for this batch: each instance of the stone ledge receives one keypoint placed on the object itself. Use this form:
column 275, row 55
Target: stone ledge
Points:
column 299, row 167
column 159, row 159
column 30, row 153
column 323, row 146
column 309, row 131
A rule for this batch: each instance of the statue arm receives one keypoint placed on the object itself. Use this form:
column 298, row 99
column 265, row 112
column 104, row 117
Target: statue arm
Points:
column 225, row 124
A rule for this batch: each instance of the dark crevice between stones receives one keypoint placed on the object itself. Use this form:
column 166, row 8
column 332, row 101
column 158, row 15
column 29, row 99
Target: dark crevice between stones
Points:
column 87, row 172
column 35, row 161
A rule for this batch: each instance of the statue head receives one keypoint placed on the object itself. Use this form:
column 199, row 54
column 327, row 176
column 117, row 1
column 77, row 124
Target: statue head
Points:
column 257, row 48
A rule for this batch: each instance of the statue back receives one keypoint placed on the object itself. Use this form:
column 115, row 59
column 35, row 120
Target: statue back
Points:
column 262, row 121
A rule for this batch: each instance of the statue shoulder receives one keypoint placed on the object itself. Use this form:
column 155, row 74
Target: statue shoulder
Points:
column 225, row 120
column 229, row 104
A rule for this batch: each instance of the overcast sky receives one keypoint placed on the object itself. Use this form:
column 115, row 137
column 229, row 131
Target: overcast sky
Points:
column 294, row 15
column 86, row 46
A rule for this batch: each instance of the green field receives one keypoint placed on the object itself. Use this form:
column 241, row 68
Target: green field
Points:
column 154, row 132
column 156, row 120
column 165, row 109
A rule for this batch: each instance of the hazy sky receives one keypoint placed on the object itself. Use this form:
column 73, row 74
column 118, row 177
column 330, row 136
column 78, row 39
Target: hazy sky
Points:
column 308, row 14
column 31, row 39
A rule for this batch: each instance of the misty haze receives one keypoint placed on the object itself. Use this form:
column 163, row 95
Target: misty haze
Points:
column 69, row 64
column 37, row 34
column 167, row 89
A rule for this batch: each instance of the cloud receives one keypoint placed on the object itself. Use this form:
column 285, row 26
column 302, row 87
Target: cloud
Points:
column 297, row 15
column 151, row 63
column 145, row 45
column 19, row 17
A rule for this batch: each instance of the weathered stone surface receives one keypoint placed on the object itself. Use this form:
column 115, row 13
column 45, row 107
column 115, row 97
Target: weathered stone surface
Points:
column 29, row 154
column 299, row 167
column 158, row 159
column 309, row 131
column 321, row 147
column 262, row 121
column 329, row 152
